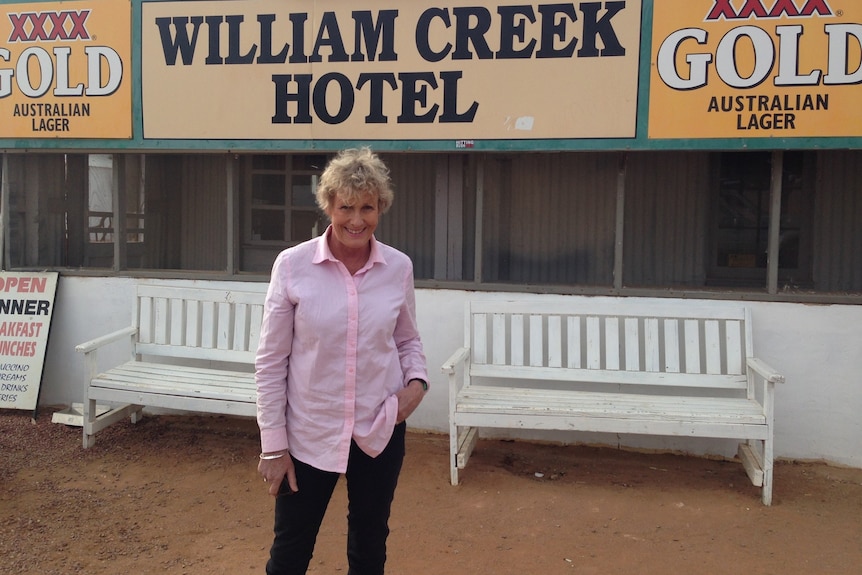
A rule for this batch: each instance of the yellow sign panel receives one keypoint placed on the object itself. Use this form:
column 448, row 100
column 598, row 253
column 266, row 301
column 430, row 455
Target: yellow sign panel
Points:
column 65, row 70
column 756, row 69
column 332, row 69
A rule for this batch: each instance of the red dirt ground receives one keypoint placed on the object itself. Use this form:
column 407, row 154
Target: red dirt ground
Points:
column 180, row 494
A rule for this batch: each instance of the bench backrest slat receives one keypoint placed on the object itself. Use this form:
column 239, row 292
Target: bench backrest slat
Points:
column 652, row 357
column 573, row 354
column 555, row 340
column 621, row 377
column 198, row 323
column 609, row 342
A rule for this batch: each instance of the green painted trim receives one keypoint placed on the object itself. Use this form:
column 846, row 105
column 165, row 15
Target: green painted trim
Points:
column 137, row 97
column 639, row 143
column 263, row 146
column 642, row 119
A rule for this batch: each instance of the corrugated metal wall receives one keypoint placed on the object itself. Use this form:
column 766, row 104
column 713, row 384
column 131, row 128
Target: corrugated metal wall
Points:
column 838, row 221
column 549, row 218
column 409, row 223
column 204, row 209
column 163, row 212
column 36, row 210
column 16, row 234
column 666, row 224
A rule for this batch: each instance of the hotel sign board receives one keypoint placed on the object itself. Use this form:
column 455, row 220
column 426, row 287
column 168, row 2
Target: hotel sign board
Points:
column 65, row 69
column 755, row 69
column 334, row 69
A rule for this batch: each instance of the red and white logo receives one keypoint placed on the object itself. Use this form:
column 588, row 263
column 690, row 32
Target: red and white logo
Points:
column 49, row 26
column 768, row 9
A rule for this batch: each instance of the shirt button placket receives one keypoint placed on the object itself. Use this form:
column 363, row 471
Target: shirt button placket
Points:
column 351, row 358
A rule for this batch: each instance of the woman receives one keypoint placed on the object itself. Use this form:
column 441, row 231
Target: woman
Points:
column 339, row 368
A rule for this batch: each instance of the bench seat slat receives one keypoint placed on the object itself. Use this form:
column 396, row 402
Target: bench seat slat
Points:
column 142, row 397
column 179, row 381
column 165, row 369
column 592, row 423
column 480, row 399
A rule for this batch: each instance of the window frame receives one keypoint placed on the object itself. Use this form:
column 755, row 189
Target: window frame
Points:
column 288, row 209
column 770, row 274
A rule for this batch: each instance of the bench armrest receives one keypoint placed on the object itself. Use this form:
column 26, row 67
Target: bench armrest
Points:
column 94, row 344
column 459, row 356
column 764, row 370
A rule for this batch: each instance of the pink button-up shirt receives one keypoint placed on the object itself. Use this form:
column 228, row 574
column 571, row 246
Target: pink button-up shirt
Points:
column 334, row 349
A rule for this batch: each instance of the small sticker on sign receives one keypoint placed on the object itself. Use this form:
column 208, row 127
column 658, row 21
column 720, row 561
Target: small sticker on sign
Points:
column 524, row 123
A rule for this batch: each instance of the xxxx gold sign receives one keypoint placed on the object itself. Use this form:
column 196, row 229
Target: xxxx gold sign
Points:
column 65, row 69
column 756, row 69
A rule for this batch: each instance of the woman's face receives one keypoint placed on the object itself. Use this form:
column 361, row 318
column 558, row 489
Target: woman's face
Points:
column 353, row 224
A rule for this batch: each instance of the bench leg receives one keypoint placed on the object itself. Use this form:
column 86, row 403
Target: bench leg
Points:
column 94, row 423
column 462, row 441
column 88, row 421
column 768, row 456
column 766, row 496
column 453, row 453
column 756, row 457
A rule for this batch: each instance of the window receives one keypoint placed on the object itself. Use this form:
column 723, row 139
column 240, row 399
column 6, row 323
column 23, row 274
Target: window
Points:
column 100, row 210
column 174, row 211
column 534, row 221
column 280, row 208
column 99, row 251
column 741, row 219
column 283, row 207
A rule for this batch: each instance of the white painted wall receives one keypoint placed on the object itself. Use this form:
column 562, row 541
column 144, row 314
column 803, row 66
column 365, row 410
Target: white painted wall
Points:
column 817, row 347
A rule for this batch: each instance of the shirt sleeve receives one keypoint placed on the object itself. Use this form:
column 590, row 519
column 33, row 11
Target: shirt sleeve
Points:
column 273, row 353
column 410, row 350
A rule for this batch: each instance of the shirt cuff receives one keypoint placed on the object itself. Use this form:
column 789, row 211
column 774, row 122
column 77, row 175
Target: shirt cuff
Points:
column 273, row 440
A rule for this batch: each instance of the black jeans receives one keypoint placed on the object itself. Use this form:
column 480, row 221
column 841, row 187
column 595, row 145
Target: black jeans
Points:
column 371, row 483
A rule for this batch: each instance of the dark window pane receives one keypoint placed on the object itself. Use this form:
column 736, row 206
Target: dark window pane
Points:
column 268, row 162
column 302, row 226
column 267, row 190
column 744, row 202
column 312, row 163
column 301, row 192
column 267, row 225
column 743, row 205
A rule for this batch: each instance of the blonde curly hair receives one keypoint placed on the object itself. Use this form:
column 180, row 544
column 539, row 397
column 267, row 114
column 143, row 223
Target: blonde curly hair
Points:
column 350, row 175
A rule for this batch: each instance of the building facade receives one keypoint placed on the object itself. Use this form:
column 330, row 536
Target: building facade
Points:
column 701, row 151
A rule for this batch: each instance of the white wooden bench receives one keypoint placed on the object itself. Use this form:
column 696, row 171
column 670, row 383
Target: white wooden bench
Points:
column 190, row 349
column 613, row 366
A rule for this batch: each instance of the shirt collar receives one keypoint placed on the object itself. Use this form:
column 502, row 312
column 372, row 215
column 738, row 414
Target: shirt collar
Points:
column 323, row 253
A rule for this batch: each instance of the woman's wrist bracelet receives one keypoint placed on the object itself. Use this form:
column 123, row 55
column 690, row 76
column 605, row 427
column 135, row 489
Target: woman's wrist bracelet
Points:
column 266, row 457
